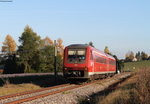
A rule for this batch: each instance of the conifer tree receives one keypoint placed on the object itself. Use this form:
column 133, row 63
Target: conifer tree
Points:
column 30, row 45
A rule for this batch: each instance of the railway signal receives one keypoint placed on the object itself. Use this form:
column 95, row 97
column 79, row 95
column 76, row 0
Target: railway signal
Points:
column 55, row 58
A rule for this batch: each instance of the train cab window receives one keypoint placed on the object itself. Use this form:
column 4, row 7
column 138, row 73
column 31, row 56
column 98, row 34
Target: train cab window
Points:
column 76, row 55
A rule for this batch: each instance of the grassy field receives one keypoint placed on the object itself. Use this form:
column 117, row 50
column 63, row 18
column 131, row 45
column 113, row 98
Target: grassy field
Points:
column 135, row 66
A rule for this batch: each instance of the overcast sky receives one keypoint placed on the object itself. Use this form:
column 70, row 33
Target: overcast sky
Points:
column 122, row 25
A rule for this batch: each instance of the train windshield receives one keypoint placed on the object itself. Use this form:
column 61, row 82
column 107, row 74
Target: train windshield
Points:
column 76, row 55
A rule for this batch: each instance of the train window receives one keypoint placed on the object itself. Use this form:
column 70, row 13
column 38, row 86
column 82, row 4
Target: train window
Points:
column 112, row 62
column 76, row 55
column 100, row 59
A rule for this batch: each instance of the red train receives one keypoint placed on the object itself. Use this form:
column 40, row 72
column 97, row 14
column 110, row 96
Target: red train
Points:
column 84, row 61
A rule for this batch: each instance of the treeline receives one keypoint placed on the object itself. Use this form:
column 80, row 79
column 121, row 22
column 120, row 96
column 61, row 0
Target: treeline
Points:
column 32, row 55
column 139, row 56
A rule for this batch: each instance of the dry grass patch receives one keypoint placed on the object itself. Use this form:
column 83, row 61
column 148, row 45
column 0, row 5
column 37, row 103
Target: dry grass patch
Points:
column 120, row 97
column 135, row 90
column 125, row 94
column 143, row 85
column 12, row 88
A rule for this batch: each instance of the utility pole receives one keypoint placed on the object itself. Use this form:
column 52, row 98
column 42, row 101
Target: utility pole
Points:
column 55, row 58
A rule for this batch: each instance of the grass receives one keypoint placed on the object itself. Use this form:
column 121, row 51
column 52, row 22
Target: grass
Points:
column 125, row 94
column 12, row 88
column 21, row 84
column 66, row 92
column 135, row 66
column 135, row 90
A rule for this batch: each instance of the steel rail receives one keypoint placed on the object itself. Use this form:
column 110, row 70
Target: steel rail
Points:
column 50, row 93
column 30, row 92
column 54, row 92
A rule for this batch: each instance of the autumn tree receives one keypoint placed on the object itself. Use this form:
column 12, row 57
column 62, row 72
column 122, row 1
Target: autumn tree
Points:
column 48, row 41
column 60, row 46
column 129, row 56
column 106, row 50
column 9, row 44
column 144, row 56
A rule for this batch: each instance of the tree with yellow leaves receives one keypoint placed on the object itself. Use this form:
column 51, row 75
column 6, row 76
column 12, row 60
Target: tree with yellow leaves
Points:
column 60, row 47
column 48, row 41
column 129, row 56
column 9, row 45
column 106, row 50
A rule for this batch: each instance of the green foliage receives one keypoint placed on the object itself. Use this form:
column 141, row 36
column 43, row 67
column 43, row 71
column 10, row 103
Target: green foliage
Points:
column 11, row 65
column 135, row 66
column 34, row 56
column 30, row 45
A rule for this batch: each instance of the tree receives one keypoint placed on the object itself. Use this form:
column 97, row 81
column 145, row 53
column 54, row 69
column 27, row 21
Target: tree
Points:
column 129, row 56
column 91, row 43
column 144, row 56
column 106, row 50
column 11, row 65
column 138, row 56
column 119, row 64
column 9, row 45
column 48, row 41
column 30, row 46
column 60, row 46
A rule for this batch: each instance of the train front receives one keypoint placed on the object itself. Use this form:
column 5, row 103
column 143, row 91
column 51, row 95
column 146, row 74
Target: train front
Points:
column 75, row 64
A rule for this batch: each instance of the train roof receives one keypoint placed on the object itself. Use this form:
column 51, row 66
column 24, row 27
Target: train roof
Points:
column 78, row 46
column 86, row 45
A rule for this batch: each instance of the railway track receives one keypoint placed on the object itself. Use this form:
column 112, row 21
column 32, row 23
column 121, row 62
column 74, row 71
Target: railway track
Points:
column 32, row 95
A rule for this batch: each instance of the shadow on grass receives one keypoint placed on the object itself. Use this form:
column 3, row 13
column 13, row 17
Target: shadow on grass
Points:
column 128, row 86
column 42, row 81
column 99, row 96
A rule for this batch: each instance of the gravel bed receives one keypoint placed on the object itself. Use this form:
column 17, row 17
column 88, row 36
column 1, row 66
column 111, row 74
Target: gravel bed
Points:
column 30, row 95
column 73, row 96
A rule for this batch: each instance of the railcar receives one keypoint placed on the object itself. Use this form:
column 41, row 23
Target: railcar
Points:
column 85, row 62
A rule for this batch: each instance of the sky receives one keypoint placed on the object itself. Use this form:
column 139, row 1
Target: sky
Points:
column 122, row 25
